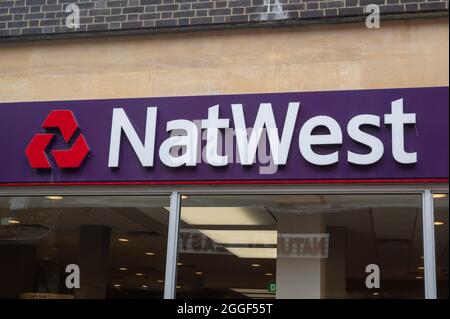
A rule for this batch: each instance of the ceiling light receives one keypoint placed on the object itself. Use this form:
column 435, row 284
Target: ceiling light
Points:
column 54, row 197
column 144, row 286
column 179, row 264
column 139, row 274
column 375, row 294
column 178, row 287
column 250, row 291
column 123, row 268
column 184, row 197
column 226, row 216
column 150, row 253
column 254, row 293
column 123, row 240
column 255, row 265
column 268, row 237
column 421, row 268
column 117, row 285
column 438, row 223
column 261, row 296
column 268, row 274
column 419, row 277
column 13, row 221
column 246, row 252
column 160, row 281
column 198, row 273
column 439, row 195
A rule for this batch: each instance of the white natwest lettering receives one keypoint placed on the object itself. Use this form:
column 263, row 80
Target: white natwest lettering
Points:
column 144, row 151
column 397, row 120
column 264, row 119
column 184, row 135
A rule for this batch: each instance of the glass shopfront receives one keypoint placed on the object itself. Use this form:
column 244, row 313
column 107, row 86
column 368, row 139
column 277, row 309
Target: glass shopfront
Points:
column 256, row 244
column 440, row 201
column 300, row 246
column 118, row 244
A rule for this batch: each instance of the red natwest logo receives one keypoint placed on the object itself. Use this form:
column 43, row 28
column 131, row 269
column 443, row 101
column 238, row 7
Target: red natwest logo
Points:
column 65, row 121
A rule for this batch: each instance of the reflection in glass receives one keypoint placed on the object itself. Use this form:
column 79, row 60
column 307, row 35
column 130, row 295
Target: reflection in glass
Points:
column 118, row 243
column 300, row 246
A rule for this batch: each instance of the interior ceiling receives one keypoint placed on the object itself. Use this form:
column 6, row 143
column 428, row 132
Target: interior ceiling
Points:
column 385, row 229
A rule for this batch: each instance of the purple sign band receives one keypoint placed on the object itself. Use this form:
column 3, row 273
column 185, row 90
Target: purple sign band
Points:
column 84, row 155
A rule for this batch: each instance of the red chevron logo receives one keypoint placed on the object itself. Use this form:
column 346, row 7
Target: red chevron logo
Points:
column 65, row 121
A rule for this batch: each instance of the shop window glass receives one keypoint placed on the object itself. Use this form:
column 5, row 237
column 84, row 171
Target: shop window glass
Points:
column 300, row 246
column 440, row 203
column 118, row 244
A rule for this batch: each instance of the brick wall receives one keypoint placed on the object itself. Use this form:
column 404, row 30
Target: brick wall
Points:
column 38, row 18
